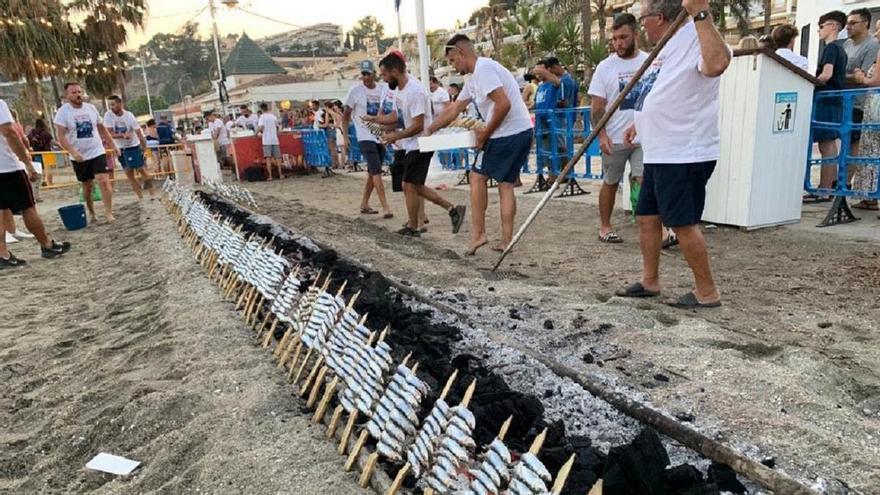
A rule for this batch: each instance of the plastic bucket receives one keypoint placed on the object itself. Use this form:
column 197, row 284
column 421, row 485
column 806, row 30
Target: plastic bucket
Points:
column 73, row 216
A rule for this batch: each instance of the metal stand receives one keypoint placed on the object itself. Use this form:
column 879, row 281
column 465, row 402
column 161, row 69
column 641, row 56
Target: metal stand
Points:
column 465, row 178
column 572, row 188
column 838, row 214
column 541, row 184
column 328, row 172
column 491, row 183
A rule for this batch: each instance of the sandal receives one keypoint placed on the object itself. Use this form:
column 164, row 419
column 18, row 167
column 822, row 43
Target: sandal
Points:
column 637, row 290
column 610, row 238
column 690, row 301
column 368, row 211
column 388, row 215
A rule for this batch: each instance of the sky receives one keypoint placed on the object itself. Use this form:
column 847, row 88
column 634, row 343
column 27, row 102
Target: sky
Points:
column 169, row 15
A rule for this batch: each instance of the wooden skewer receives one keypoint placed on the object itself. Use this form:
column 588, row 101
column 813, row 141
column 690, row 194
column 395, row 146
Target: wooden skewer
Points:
column 597, row 488
column 504, row 427
column 302, row 366
column 270, row 333
column 334, row 420
column 562, row 476
column 346, row 434
column 415, row 368
column 448, row 386
column 293, row 361
column 370, row 339
column 469, row 393
column 398, row 480
column 316, row 386
column 384, row 333
column 325, row 400
column 538, row 443
column 364, row 480
column 306, row 386
column 341, row 287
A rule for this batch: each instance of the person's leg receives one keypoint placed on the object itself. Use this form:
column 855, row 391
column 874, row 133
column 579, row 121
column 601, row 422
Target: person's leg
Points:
column 107, row 193
column 423, row 217
column 4, row 250
column 693, row 245
column 88, row 186
column 827, row 149
column 432, row 196
column 135, row 185
column 145, row 176
column 380, row 191
column 368, row 191
column 507, row 198
column 479, row 202
column 607, row 194
column 650, row 242
column 8, row 222
column 411, row 196
column 34, row 224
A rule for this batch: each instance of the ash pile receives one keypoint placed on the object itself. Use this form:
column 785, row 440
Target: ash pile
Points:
column 403, row 400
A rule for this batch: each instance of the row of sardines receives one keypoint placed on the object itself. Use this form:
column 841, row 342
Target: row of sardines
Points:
column 233, row 192
column 332, row 357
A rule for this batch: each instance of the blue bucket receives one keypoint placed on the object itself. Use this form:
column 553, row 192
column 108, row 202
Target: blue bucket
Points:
column 73, row 216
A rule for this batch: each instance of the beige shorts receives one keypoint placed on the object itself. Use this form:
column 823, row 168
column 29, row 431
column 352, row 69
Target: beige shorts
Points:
column 614, row 165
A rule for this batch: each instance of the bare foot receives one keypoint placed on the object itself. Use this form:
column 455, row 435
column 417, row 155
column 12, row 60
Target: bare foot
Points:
column 472, row 249
column 111, row 219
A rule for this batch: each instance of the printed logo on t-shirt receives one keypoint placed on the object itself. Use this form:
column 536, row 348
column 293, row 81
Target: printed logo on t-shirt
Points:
column 372, row 106
column 643, row 87
column 84, row 129
column 120, row 128
column 629, row 103
column 388, row 106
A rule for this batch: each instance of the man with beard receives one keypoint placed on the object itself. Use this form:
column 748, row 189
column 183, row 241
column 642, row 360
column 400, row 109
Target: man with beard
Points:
column 610, row 77
column 130, row 140
column 80, row 132
column 412, row 102
column 503, row 144
column 366, row 99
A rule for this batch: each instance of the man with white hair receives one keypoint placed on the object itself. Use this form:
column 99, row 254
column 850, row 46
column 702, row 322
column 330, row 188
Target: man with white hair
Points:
column 676, row 119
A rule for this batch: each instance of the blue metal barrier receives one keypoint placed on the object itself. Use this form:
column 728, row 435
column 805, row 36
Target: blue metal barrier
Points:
column 833, row 111
column 555, row 141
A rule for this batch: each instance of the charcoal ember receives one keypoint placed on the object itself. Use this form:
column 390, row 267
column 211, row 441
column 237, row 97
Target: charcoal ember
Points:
column 637, row 467
column 548, row 324
column 688, row 480
column 514, row 314
column 725, row 477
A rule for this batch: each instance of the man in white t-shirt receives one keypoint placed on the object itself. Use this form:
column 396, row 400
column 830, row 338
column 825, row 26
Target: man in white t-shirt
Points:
column 503, row 144
column 80, row 132
column 365, row 99
column 267, row 127
column 783, row 37
column 132, row 144
column 246, row 120
column 676, row 119
column 412, row 103
column 218, row 132
column 439, row 97
column 16, row 195
column 610, row 77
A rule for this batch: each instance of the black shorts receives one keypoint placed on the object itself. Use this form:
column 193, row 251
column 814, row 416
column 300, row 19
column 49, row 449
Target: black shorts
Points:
column 86, row 171
column 397, row 171
column 675, row 191
column 373, row 153
column 415, row 167
column 15, row 192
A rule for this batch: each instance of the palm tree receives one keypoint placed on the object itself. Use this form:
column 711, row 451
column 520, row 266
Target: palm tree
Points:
column 102, row 32
column 550, row 38
column 738, row 9
column 36, row 43
column 768, row 11
column 571, row 43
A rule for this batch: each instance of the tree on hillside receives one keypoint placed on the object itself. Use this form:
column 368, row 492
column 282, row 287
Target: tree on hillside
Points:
column 347, row 44
column 368, row 28
column 526, row 22
column 184, row 52
column 740, row 10
column 550, row 38
column 138, row 106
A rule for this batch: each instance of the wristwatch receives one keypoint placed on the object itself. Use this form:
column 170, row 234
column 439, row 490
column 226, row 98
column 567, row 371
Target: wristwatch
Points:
column 701, row 15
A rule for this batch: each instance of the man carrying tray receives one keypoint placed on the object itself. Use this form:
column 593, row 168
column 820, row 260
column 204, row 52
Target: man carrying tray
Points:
column 503, row 144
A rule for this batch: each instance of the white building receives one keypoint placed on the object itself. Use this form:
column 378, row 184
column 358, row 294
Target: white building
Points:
column 807, row 20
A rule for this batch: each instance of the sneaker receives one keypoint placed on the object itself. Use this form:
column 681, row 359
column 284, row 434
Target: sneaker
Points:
column 11, row 262
column 55, row 250
column 456, row 215
column 408, row 232
column 22, row 235
column 10, row 238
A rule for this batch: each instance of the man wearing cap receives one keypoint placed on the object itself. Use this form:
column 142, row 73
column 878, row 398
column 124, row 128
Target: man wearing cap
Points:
column 503, row 144
column 365, row 99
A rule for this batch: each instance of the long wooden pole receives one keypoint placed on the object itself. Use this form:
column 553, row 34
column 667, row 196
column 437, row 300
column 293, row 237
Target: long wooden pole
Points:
column 679, row 21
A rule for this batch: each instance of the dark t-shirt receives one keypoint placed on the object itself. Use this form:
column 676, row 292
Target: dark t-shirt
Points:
column 166, row 133
column 835, row 55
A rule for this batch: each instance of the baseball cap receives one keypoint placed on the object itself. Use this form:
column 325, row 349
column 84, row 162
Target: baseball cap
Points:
column 368, row 66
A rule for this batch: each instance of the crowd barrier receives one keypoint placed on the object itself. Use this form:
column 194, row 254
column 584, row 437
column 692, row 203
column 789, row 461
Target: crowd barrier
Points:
column 834, row 111
column 58, row 168
column 316, row 148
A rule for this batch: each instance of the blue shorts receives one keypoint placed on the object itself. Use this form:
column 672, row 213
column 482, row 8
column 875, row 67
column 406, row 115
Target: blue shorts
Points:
column 503, row 158
column 675, row 191
column 132, row 158
column 373, row 153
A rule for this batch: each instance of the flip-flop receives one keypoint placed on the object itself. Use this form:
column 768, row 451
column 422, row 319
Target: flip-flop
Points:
column 472, row 252
column 610, row 238
column 637, row 290
column 368, row 211
column 689, row 301
column 388, row 215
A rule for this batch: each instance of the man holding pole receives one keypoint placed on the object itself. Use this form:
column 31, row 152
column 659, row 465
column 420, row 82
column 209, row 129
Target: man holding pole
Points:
column 676, row 119
column 503, row 145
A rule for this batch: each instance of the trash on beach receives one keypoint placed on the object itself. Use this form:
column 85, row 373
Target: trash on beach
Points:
column 112, row 464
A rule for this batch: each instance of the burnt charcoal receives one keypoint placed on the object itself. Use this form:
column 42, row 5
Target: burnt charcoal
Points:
column 514, row 314
column 548, row 324
column 603, row 328
column 687, row 480
column 770, row 462
column 461, row 297
column 661, row 377
column 578, row 322
column 589, row 359
column 637, row 468
column 725, row 477
column 490, row 289
column 685, row 417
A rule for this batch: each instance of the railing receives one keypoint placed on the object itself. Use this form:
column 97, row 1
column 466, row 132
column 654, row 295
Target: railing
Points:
column 58, row 168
